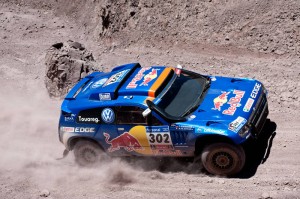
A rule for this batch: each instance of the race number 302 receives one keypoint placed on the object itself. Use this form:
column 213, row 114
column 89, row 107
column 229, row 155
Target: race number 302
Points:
column 159, row 138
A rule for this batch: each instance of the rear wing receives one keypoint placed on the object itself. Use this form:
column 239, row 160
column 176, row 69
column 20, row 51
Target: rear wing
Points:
column 113, row 90
column 119, row 75
column 77, row 88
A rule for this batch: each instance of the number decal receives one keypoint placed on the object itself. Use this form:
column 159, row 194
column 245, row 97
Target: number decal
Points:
column 167, row 137
column 159, row 135
column 159, row 138
column 152, row 138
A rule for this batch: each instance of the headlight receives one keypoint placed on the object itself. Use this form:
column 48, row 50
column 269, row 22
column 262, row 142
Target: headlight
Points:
column 244, row 130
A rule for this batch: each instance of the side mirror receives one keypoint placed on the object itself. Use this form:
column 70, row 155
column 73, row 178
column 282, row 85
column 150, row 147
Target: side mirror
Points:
column 146, row 112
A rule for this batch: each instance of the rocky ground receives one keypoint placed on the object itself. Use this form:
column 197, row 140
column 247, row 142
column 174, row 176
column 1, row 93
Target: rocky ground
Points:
column 256, row 39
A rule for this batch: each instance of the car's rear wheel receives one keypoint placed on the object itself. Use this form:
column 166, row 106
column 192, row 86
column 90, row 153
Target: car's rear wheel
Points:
column 88, row 153
column 223, row 159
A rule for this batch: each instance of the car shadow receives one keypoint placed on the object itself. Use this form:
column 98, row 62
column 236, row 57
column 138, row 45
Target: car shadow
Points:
column 257, row 152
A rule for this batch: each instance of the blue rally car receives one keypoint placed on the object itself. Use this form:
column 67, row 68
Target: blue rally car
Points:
column 163, row 111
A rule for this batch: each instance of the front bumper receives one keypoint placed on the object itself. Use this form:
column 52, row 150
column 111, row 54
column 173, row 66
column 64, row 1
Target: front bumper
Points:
column 259, row 117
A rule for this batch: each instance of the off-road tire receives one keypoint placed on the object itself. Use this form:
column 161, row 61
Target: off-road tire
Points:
column 223, row 159
column 88, row 153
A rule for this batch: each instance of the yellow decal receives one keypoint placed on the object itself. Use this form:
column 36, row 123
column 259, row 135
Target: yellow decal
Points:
column 139, row 132
column 158, row 82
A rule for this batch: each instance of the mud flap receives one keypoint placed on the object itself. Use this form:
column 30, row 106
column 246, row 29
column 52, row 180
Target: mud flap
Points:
column 65, row 153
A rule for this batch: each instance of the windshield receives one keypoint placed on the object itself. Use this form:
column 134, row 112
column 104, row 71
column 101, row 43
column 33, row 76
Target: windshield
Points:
column 184, row 95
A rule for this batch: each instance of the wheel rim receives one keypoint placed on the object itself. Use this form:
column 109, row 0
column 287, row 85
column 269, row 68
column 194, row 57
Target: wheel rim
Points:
column 222, row 160
column 89, row 155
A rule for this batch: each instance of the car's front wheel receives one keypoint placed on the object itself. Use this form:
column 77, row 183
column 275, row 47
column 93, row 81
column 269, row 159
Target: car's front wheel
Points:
column 223, row 159
column 88, row 153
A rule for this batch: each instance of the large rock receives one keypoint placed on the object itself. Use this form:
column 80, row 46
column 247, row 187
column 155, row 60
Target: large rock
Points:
column 66, row 63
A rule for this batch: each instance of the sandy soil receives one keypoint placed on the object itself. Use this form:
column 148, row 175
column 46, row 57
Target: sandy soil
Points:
column 29, row 142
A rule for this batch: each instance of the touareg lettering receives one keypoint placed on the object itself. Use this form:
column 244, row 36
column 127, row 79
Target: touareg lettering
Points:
column 88, row 119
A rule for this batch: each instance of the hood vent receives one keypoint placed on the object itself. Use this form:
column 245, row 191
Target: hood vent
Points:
column 212, row 122
column 236, row 80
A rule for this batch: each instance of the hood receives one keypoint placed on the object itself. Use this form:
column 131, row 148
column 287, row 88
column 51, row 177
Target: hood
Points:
column 227, row 100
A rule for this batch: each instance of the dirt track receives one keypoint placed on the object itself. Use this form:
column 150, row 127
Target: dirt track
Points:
column 29, row 142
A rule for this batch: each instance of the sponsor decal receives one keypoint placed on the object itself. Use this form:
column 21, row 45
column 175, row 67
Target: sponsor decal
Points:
column 137, row 78
column 210, row 130
column 237, row 124
column 248, row 105
column 234, row 102
column 77, row 129
column 104, row 96
column 116, row 77
column 99, row 83
column 160, row 141
column 65, row 129
column 70, row 118
column 88, row 119
column 255, row 90
column 84, row 130
column 161, row 147
column 253, row 95
column 146, row 140
column 220, row 101
column 158, row 135
column 184, row 128
column 125, row 140
column 167, row 152
column 149, row 77
column 108, row 115
column 157, row 129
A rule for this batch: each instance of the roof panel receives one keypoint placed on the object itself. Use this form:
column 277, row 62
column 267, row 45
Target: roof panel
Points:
column 145, row 81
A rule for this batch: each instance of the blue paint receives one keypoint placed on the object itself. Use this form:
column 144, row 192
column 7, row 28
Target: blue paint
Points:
column 128, row 85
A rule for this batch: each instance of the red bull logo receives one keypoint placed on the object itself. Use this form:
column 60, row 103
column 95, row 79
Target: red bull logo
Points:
column 149, row 77
column 125, row 140
column 220, row 101
column 137, row 77
column 234, row 102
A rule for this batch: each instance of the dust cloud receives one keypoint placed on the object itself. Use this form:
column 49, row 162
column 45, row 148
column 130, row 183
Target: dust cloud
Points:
column 29, row 146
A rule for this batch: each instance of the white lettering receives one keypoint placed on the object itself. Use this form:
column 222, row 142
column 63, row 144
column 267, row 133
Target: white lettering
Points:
column 104, row 96
column 210, row 130
column 87, row 119
column 84, row 130
column 255, row 90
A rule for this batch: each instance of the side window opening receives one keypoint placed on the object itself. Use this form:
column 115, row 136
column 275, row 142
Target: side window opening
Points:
column 153, row 121
column 133, row 115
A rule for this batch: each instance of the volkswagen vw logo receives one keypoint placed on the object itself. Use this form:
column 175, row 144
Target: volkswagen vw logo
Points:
column 108, row 115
